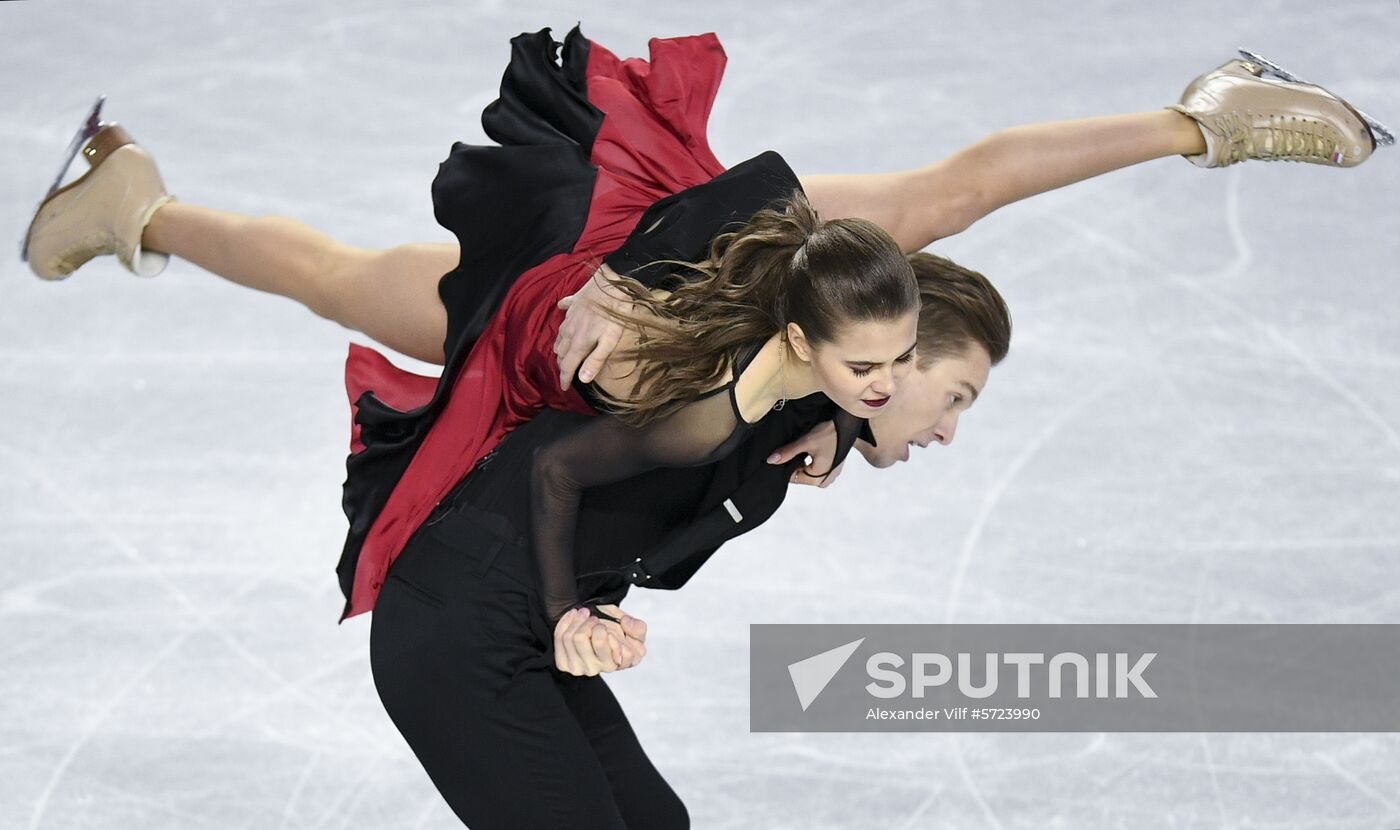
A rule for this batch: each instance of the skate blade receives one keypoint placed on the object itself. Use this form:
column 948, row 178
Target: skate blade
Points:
column 86, row 130
column 1380, row 132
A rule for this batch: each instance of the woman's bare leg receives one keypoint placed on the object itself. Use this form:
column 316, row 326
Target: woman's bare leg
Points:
column 390, row 295
column 928, row 203
column 1244, row 116
column 1023, row 161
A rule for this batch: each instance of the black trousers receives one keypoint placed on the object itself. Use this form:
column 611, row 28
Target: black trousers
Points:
column 508, row 739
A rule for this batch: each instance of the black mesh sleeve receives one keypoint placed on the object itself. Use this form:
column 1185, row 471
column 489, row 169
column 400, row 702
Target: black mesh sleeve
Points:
column 605, row 450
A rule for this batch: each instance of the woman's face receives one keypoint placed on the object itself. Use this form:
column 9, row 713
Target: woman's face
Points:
column 860, row 369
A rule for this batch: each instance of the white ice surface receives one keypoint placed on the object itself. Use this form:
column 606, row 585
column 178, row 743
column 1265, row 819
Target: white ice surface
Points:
column 1199, row 420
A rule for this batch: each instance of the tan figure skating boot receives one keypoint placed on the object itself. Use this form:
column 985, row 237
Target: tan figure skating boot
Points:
column 103, row 211
column 1244, row 115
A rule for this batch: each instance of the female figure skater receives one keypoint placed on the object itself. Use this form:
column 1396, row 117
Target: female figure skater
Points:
column 460, row 600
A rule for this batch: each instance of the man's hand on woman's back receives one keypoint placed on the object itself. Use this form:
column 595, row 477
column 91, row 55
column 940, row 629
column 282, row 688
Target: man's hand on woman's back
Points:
column 586, row 331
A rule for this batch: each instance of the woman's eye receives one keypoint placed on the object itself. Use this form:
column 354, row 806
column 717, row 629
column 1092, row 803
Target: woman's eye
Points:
column 906, row 358
column 860, row 373
column 954, row 398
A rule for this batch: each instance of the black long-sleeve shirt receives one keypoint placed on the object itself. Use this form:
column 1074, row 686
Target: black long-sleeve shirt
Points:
column 607, row 450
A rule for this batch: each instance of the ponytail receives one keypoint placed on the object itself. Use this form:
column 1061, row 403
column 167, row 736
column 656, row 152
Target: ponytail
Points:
column 785, row 265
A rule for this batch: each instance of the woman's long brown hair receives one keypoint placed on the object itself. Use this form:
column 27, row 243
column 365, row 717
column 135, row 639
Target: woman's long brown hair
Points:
column 785, row 265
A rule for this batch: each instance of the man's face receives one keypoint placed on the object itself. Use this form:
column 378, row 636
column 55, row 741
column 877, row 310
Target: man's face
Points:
column 927, row 406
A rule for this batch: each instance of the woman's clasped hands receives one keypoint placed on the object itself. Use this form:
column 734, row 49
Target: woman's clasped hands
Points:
column 585, row 645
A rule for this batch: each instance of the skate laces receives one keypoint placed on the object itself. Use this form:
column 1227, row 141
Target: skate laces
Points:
column 1278, row 138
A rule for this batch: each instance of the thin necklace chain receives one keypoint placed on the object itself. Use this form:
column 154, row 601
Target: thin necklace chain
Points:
column 782, row 352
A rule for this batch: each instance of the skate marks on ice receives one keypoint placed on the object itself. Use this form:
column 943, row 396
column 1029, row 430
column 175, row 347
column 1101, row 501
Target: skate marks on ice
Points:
column 1197, row 422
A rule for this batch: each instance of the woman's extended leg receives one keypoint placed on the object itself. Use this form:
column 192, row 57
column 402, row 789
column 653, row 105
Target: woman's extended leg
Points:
column 1225, row 116
column 1023, row 161
column 919, row 206
column 928, row 203
column 120, row 206
column 390, row 295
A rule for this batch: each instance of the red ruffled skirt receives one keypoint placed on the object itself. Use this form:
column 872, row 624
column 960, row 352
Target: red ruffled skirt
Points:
column 588, row 142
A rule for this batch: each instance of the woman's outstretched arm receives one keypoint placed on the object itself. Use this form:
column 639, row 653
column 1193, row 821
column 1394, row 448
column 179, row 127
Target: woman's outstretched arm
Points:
column 919, row 206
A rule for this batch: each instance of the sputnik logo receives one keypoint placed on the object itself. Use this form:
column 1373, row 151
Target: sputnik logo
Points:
column 810, row 676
